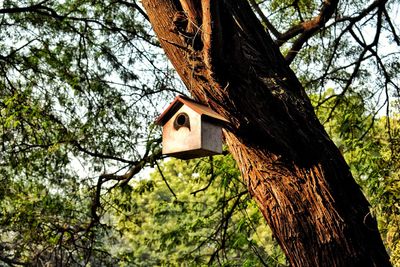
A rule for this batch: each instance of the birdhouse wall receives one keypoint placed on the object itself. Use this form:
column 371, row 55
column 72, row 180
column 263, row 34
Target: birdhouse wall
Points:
column 183, row 139
column 211, row 137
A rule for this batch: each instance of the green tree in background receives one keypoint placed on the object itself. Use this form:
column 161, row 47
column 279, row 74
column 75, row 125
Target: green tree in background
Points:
column 208, row 218
column 81, row 83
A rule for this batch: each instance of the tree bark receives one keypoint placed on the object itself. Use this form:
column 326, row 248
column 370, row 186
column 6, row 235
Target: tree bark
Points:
column 298, row 177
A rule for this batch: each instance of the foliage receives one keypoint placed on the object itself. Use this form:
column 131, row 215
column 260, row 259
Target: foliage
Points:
column 207, row 219
column 71, row 108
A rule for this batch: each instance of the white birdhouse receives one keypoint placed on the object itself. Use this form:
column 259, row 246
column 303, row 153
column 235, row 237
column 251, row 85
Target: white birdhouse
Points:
column 190, row 129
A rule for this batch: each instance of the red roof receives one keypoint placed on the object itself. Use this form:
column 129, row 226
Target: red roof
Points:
column 181, row 100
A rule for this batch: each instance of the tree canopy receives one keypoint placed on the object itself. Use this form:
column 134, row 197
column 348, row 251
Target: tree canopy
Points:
column 81, row 84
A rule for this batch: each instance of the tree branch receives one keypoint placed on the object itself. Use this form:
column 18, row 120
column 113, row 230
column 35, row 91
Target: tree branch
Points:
column 212, row 178
column 13, row 10
column 308, row 28
column 265, row 20
column 165, row 180
column 124, row 179
column 212, row 35
column 392, row 28
column 50, row 12
column 223, row 226
column 135, row 6
column 100, row 155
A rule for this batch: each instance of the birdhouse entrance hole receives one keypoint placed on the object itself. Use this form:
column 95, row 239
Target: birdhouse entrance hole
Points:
column 182, row 120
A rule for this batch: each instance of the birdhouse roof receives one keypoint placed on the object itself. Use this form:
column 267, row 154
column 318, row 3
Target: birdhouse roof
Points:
column 179, row 101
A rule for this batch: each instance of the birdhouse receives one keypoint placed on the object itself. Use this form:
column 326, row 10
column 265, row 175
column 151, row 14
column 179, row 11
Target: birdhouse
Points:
column 190, row 129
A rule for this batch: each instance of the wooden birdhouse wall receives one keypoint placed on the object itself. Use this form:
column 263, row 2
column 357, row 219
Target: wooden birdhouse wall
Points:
column 182, row 139
column 211, row 136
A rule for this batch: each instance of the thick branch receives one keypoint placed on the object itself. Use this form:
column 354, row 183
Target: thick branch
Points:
column 308, row 28
column 326, row 12
column 212, row 35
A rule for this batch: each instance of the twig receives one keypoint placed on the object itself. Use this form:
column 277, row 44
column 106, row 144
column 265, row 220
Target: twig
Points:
column 164, row 179
column 264, row 19
column 212, row 178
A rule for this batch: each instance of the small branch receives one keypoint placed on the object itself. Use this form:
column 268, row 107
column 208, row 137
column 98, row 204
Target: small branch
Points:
column 136, row 167
column 14, row 10
column 124, row 179
column 135, row 6
column 347, row 86
column 99, row 155
column 309, row 28
column 265, row 20
column 223, row 226
column 13, row 52
column 298, row 44
column 289, row 34
column 212, row 178
column 165, row 180
column 296, row 7
column 392, row 28
column 95, row 218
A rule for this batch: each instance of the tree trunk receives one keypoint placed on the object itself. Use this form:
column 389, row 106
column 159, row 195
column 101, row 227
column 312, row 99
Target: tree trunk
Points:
column 298, row 177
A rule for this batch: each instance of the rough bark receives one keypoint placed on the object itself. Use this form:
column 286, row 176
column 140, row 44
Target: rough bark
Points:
column 298, row 177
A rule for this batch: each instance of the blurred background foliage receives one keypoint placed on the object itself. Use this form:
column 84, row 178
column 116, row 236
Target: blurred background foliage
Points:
column 207, row 219
column 83, row 182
